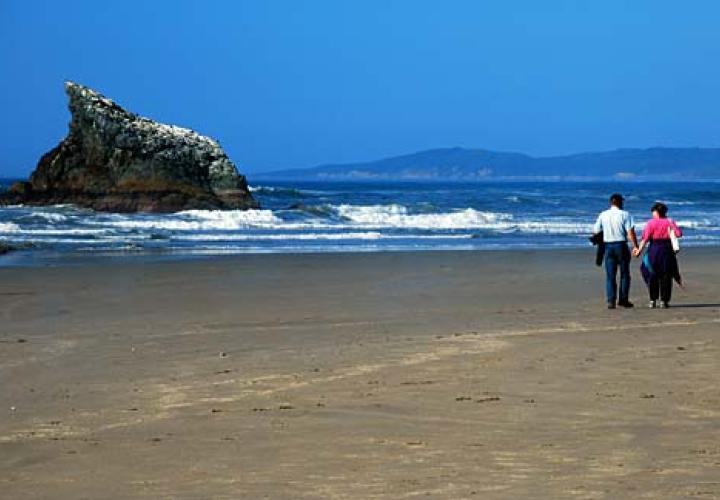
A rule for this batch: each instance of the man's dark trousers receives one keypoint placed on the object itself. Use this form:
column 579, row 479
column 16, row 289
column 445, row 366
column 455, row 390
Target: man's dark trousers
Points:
column 617, row 255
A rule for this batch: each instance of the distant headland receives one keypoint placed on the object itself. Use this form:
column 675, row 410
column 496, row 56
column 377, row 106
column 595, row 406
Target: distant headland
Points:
column 460, row 164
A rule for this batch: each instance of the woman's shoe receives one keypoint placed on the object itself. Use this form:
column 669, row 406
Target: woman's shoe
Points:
column 653, row 304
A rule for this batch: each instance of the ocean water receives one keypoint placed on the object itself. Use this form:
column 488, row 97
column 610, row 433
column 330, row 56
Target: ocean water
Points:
column 365, row 217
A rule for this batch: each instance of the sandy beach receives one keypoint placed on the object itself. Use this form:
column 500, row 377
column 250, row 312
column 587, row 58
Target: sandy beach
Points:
column 357, row 376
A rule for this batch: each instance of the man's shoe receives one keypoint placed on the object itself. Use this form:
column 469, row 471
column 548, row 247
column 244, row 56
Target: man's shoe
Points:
column 653, row 304
column 626, row 304
column 611, row 305
column 664, row 305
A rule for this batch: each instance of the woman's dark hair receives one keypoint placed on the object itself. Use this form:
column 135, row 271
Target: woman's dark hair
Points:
column 660, row 208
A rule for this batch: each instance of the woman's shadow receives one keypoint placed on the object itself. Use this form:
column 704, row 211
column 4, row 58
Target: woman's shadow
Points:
column 694, row 306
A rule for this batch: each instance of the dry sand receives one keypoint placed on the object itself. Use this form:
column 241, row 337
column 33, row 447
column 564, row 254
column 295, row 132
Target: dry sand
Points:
column 401, row 375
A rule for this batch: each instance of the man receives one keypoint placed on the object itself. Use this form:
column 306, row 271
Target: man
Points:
column 617, row 227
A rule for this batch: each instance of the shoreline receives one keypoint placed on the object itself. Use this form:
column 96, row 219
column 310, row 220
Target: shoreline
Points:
column 24, row 258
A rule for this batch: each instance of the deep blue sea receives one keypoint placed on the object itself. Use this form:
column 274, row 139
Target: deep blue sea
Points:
column 366, row 217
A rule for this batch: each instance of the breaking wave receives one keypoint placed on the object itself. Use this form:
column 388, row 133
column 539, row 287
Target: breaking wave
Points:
column 8, row 227
column 373, row 235
column 398, row 216
column 340, row 216
column 196, row 220
column 278, row 191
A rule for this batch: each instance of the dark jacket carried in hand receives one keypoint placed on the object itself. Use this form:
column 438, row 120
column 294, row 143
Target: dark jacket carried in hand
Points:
column 597, row 240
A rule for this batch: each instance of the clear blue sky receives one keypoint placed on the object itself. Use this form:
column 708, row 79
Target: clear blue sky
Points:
column 297, row 83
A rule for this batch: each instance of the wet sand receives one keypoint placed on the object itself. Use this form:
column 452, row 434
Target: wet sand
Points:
column 357, row 376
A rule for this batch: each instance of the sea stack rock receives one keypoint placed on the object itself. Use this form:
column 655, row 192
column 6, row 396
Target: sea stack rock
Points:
column 114, row 160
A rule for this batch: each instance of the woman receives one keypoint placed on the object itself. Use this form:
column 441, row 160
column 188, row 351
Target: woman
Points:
column 659, row 265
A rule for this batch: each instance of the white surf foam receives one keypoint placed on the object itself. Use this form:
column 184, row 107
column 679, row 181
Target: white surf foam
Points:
column 9, row 227
column 352, row 217
column 266, row 189
column 397, row 216
column 545, row 227
column 695, row 224
column 373, row 235
column 60, row 232
column 48, row 240
column 679, row 203
column 234, row 219
column 280, row 237
column 50, row 216
column 197, row 220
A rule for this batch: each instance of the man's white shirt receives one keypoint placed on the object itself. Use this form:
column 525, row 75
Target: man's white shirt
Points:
column 615, row 224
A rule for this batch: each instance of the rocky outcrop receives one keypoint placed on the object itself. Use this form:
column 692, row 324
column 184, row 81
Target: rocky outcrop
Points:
column 114, row 160
column 7, row 247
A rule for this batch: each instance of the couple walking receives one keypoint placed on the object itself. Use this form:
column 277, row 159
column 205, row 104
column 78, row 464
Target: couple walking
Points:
column 613, row 229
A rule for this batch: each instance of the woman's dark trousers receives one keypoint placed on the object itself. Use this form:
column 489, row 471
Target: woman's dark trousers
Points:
column 660, row 287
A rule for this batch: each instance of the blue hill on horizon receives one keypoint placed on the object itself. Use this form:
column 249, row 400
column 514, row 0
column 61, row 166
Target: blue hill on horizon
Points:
column 448, row 164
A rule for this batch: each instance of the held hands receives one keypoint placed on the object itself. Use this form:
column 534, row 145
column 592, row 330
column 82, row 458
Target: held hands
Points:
column 636, row 252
